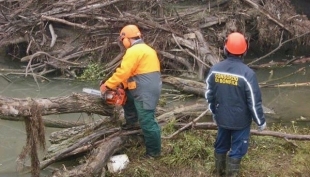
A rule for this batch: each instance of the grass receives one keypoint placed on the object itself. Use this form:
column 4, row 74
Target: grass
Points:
column 190, row 154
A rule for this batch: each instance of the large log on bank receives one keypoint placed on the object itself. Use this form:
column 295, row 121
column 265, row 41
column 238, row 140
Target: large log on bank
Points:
column 100, row 150
column 70, row 147
column 75, row 103
column 98, row 160
column 213, row 126
column 62, row 135
column 195, row 87
column 96, row 163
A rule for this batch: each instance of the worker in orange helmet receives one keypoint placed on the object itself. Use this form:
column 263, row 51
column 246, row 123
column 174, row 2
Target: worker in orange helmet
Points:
column 234, row 98
column 139, row 74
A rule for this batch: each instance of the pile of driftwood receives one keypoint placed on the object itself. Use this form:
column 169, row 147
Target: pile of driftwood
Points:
column 65, row 36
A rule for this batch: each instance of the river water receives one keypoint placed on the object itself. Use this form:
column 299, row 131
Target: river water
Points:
column 290, row 104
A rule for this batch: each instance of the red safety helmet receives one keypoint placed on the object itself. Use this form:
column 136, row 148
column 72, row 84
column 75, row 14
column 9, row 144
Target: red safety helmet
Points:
column 129, row 31
column 236, row 44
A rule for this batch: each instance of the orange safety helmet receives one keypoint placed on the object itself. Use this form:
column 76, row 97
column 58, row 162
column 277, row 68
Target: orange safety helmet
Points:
column 236, row 44
column 129, row 31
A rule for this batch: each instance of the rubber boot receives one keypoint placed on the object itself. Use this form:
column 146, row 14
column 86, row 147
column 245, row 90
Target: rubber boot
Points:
column 233, row 166
column 220, row 164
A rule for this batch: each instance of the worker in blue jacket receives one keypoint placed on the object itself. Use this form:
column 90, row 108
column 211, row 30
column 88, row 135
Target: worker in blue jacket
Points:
column 234, row 98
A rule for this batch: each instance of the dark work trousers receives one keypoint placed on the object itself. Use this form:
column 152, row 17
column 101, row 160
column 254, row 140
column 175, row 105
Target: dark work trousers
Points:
column 235, row 142
column 134, row 112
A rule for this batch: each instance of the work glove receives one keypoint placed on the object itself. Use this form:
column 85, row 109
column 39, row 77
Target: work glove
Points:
column 103, row 89
column 261, row 127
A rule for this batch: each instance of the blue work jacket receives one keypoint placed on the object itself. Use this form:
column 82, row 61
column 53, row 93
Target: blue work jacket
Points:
column 234, row 95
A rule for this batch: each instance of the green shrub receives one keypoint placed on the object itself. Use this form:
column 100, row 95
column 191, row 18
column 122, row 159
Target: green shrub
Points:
column 92, row 72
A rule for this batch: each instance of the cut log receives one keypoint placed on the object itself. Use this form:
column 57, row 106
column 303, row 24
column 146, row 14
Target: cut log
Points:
column 101, row 151
column 75, row 103
column 186, row 85
column 98, row 159
column 59, row 136
column 66, row 147
column 168, row 116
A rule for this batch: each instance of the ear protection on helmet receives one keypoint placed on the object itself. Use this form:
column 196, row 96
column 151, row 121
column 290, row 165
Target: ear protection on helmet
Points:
column 126, row 42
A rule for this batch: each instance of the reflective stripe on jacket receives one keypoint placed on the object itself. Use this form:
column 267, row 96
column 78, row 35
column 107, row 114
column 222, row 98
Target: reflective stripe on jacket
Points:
column 234, row 95
column 140, row 73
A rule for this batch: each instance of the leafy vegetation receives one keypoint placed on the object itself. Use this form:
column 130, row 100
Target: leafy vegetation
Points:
column 92, row 72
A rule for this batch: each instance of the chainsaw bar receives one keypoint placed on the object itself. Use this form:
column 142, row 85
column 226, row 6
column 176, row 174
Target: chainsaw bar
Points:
column 92, row 91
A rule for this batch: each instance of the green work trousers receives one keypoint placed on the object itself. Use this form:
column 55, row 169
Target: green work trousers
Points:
column 134, row 111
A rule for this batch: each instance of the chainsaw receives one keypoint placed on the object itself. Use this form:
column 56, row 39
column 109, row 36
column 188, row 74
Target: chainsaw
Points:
column 114, row 97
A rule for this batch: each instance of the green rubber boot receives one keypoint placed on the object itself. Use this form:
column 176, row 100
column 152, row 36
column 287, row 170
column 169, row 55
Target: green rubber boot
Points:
column 233, row 166
column 220, row 164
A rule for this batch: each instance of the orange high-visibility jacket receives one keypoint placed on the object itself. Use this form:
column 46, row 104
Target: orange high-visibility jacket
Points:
column 138, row 59
column 140, row 73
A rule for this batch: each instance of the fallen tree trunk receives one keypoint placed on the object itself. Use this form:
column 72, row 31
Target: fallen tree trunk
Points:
column 59, row 136
column 304, row 84
column 49, row 122
column 186, row 85
column 96, row 163
column 213, row 126
column 75, row 142
column 77, row 102
column 195, row 87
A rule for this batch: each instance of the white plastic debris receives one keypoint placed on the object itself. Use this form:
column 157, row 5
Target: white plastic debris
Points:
column 117, row 163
